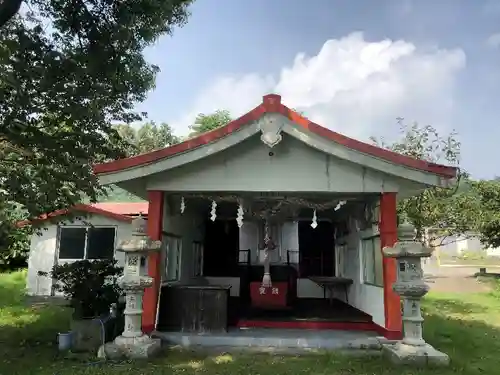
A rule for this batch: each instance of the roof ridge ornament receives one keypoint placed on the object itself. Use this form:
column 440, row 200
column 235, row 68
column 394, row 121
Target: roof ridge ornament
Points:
column 270, row 126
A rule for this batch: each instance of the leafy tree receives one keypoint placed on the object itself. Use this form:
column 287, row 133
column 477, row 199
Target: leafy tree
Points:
column 204, row 123
column 146, row 138
column 487, row 193
column 14, row 241
column 444, row 211
column 117, row 194
column 68, row 70
column 149, row 137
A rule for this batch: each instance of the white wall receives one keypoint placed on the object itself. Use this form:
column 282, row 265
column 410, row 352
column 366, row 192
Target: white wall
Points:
column 43, row 250
column 41, row 258
column 190, row 227
column 365, row 297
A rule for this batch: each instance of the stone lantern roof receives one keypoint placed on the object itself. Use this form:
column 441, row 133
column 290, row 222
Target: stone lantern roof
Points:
column 407, row 245
column 139, row 242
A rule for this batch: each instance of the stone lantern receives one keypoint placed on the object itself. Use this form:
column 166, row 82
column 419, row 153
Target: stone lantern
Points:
column 410, row 285
column 133, row 343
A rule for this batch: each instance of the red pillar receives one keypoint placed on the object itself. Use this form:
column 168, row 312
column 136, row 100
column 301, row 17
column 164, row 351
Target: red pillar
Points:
column 155, row 227
column 388, row 236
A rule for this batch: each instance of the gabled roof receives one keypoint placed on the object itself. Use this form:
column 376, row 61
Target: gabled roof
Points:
column 272, row 104
column 123, row 208
column 120, row 211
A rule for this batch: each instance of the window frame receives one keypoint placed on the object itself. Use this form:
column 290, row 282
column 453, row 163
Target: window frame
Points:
column 166, row 238
column 60, row 228
column 341, row 248
column 378, row 282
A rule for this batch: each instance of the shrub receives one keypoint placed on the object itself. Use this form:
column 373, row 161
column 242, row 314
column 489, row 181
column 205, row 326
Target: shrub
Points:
column 89, row 285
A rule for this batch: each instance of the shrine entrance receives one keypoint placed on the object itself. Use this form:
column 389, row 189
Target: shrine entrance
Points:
column 266, row 260
column 268, row 218
column 316, row 249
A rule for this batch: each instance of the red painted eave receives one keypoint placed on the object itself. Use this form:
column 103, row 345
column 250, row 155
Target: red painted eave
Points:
column 272, row 104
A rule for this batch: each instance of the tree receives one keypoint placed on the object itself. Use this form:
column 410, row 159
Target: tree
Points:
column 14, row 240
column 445, row 211
column 204, row 123
column 148, row 137
column 487, row 193
column 68, row 70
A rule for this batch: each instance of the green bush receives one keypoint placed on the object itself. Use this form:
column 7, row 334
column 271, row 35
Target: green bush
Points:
column 89, row 285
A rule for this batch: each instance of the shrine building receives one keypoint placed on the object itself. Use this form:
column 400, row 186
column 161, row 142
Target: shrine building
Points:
column 272, row 221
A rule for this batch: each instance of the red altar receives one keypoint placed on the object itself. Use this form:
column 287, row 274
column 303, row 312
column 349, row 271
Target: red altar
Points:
column 273, row 297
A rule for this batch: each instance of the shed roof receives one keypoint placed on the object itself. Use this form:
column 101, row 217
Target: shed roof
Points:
column 120, row 211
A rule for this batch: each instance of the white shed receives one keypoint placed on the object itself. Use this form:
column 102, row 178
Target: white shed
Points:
column 95, row 235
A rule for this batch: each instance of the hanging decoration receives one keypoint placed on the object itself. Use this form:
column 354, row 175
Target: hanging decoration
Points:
column 239, row 215
column 213, row 211
column 274, row 205
column 183, row 205
column 268, row 245
column 265, row 207
column 314, row 223
column 339, row 205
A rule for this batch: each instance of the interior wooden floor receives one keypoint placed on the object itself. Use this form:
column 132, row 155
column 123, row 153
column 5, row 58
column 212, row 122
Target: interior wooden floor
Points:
column 304, row 309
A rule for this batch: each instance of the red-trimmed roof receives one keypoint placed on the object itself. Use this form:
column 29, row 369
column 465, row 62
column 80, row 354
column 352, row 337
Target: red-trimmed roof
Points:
column 272, row 104
column 123, row 208
column 122, row 211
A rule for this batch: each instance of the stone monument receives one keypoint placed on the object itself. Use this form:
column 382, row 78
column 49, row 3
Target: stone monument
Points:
column 410, row 285
column 133, row 343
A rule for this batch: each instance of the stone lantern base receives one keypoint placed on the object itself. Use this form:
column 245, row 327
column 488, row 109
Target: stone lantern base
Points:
column 424, row 355
column 130, row 347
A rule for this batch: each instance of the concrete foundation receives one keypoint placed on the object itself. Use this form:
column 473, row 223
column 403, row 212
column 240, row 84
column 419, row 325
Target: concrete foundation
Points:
column 277, row 339
column 135, row 348
column 412, row 355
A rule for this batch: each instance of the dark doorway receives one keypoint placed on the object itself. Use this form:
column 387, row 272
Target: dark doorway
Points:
column 316, row 249
column 221, row 247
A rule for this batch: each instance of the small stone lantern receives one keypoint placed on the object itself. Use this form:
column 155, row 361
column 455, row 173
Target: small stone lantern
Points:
column 410, row 285
column 133, row 343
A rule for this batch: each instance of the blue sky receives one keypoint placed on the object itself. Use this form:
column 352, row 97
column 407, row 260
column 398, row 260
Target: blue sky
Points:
column 353, row 66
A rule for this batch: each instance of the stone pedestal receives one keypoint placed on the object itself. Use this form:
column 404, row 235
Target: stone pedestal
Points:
column 133, row 343
column 415, row 355
column 410, row 285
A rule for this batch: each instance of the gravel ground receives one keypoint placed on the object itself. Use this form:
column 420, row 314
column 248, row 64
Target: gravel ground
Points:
column 453, row 279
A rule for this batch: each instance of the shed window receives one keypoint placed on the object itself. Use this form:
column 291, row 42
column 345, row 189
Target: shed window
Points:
column 86, row 242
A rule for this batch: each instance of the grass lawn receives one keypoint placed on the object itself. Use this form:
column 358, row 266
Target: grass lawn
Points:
column 467, row 327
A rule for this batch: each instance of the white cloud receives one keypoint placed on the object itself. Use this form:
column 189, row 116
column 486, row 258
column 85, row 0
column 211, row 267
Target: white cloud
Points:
column 493, row 41
column 352, row 85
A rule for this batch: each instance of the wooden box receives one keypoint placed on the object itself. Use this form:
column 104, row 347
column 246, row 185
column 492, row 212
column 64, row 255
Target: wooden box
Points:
column 193, row 308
